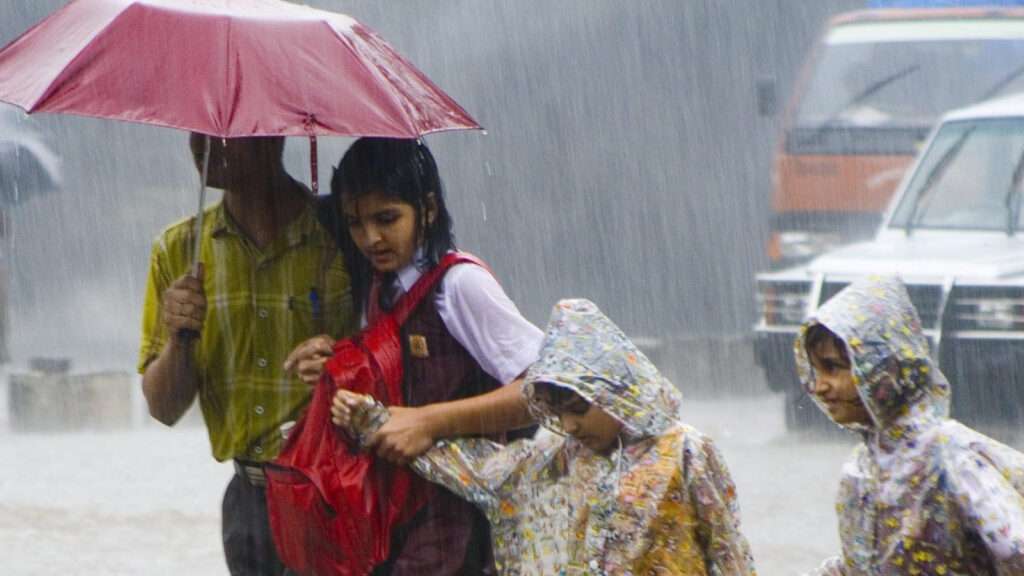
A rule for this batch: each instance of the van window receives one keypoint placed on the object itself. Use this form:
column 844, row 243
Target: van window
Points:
column 970, row 165
column 892, row 76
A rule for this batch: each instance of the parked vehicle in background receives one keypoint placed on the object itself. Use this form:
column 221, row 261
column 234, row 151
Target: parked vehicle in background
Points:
column 867, row 97
column 955, row 234
column 28, row 167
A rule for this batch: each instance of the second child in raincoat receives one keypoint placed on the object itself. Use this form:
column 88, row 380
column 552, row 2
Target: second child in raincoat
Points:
column 614, row 483
column 922, row 494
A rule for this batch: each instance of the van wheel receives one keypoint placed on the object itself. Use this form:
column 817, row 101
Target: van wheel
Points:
column 981, row 398
column 985, row 391
column 798, row 407
column 802, row 414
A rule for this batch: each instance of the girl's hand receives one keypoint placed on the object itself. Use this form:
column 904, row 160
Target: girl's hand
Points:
column 307, row 359
column 343, row 406
column 404, row 437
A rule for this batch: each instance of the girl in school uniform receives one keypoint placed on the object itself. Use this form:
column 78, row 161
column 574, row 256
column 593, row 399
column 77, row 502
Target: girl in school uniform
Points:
column 465, row 347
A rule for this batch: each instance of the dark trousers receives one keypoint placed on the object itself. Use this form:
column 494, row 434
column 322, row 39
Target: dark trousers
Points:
column 248, row 544
column 447, row 537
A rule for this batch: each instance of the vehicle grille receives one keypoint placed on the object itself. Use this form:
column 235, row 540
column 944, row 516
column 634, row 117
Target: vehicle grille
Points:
column 987, row 308
column 925, row 297
column 783, row 303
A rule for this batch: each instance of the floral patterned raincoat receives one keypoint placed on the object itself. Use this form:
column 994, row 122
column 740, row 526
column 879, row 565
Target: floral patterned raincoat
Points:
column 660, row 503
column 922, row 494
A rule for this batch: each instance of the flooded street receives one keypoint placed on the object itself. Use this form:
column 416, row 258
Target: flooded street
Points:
column 146, row 501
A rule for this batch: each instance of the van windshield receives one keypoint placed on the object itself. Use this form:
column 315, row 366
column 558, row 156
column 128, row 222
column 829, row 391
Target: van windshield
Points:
column 965, row 181
column 900, row 76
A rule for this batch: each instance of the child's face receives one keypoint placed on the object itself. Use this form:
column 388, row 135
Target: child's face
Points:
column 834, row 385
column 384, row 229
column 593, row 427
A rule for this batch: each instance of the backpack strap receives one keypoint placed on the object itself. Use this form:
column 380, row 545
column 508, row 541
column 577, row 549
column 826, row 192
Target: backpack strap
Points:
column 410, row 300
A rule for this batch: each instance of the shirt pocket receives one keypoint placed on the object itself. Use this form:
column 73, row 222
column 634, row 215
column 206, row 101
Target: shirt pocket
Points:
column 306, row 316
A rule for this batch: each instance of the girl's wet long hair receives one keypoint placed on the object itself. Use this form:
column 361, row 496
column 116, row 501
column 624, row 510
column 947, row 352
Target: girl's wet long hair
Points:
column 400, row 169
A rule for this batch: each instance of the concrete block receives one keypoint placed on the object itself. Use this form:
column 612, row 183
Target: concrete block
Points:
column 41, row 401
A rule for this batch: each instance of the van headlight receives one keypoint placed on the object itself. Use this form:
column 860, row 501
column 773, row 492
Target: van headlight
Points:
column 794, row 245
column 783, row 303
column 990, row 313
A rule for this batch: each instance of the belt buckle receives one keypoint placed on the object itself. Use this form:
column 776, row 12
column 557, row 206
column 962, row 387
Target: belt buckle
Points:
column 252, row 473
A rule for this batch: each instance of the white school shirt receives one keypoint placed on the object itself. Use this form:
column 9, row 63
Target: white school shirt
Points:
column 480, row 316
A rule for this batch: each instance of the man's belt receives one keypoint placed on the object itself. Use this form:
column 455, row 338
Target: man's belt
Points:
column 251, row 472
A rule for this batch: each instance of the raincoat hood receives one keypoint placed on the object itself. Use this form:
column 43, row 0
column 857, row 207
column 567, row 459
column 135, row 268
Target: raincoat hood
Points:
column 897, row 380
column 587, row 353
column 923, row 494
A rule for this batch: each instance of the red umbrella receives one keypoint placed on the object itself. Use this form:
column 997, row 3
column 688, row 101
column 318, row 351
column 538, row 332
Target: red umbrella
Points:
column 224, row 68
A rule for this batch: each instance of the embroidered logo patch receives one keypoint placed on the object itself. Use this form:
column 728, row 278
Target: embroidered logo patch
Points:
column 418, row 346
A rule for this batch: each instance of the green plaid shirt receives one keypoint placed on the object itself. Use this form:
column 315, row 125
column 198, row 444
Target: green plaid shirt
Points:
column 260, row 304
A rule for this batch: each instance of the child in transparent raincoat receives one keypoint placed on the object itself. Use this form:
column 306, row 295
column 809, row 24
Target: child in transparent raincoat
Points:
column 613, row 483
column 922, row 494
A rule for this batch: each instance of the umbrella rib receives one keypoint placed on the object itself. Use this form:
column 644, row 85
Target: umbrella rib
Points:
column 351, row 48
column 228, row 82
column 78, row 55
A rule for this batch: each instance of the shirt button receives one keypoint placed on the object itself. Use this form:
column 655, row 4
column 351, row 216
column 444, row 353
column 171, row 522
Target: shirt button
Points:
column 259, row 410
column 263, row 313
column 261, row 362
column 258, row 450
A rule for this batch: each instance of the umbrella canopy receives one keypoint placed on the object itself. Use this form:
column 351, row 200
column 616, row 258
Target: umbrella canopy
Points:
column 225, row 68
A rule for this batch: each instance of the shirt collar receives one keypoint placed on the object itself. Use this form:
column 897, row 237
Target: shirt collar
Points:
column 412, row 271
column 298, row 231
column 220, row 223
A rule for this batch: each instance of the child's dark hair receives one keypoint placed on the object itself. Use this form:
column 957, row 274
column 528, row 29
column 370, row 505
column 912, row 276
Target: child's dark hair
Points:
column 818, row 335
column 560, row 398
column 401, row 169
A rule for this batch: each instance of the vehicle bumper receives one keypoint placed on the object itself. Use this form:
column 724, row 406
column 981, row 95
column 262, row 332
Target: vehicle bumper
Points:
column 773, row 352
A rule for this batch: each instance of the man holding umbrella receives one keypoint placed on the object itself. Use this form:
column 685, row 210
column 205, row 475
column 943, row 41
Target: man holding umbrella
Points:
column 272, row 277
column 246, row 73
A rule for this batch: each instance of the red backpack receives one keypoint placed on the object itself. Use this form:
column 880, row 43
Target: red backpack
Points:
column 332, row 507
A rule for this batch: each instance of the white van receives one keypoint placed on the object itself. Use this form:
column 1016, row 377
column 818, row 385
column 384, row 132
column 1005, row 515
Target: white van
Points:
column 955, row 233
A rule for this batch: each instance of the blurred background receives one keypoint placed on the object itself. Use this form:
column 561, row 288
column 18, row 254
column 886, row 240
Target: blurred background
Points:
column 625, row 161
column 629, row 159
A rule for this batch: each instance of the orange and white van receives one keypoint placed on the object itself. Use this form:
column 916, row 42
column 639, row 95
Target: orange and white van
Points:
column 866, row 99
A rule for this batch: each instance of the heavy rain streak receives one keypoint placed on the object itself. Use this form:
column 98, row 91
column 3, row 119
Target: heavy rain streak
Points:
column 708, row 173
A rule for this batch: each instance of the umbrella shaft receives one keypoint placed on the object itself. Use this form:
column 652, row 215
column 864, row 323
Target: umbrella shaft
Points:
column 197, row 234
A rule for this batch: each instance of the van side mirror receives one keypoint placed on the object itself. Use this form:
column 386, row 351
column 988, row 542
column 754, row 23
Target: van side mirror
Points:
column 767, row 100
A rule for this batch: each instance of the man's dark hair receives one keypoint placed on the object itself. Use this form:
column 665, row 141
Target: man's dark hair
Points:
column 401, row 169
